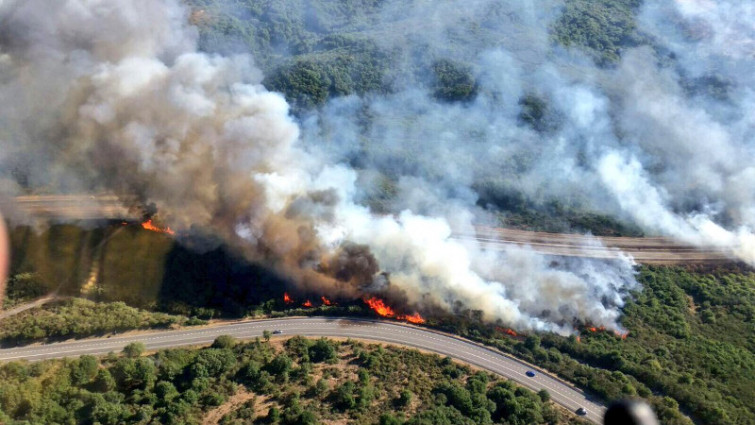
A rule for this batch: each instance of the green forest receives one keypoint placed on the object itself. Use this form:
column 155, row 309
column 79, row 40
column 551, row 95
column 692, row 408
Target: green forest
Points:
column 299, row 381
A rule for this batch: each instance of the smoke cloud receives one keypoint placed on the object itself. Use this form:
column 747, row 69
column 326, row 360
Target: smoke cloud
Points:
column 114, row 96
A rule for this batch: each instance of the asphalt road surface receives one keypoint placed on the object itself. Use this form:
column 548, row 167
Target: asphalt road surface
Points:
column 648, row 250
column 390, row 332
column 652, row 250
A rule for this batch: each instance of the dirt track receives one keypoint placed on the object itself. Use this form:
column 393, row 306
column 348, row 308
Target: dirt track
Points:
column 652, row 250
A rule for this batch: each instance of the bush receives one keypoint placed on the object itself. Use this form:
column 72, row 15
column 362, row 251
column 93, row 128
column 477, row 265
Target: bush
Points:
column 224, row 341
column 134, row 349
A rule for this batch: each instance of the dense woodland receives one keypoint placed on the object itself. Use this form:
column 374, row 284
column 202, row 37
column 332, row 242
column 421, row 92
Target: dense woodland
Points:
column 299, row 381
column 316, row 50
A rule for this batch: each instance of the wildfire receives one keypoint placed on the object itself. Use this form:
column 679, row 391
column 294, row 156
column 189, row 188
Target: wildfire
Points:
column 594, row 329
column 326, row 301
column 287, row 298
column 622, row 335
column 507, row 331
column 412, row 318
column 382, row 309
column 307, row 303
column 148, row 225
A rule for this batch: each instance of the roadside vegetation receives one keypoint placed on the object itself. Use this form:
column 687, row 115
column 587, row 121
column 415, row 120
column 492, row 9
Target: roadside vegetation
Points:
column 79, row 318
column 299, row 381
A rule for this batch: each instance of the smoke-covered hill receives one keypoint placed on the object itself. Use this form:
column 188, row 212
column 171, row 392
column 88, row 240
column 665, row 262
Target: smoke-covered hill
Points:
column 532, row 110
column 412, row 121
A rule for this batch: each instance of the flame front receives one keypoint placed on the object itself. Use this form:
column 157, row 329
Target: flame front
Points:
column 326, row 301
column 148, row 225
column 287, row 298
column 307, row 304
column 380, row 308
column 412, row 318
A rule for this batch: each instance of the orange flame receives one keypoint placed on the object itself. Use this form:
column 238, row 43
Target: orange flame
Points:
column 307, row 303
column 326, row 301
column 147, row 225
column 507, row 331
column 593, row 329
column 622, row 335
column 412, row 318
column 380, row 308
column 287, row 298
column 579, row 340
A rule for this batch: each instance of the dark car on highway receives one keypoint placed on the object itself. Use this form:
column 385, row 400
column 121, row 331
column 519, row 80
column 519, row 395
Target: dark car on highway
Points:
column 530, row 373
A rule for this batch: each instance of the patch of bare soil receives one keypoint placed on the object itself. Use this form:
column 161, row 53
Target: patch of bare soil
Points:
column 692, row 306
column 242, row 396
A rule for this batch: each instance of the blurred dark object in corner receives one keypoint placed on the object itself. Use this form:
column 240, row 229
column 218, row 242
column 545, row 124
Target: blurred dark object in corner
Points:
column 629, row 412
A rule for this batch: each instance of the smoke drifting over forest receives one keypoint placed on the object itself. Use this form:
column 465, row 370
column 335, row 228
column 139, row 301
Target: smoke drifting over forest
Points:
column 116, row 96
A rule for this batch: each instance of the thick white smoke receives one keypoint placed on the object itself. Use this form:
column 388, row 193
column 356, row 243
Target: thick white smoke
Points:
column 663, row 139
column 112, row 94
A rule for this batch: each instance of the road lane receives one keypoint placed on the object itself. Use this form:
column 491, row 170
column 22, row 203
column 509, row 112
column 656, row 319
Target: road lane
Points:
column 389, row 332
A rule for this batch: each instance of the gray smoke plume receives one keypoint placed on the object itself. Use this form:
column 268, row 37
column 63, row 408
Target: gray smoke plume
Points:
column 114, row 95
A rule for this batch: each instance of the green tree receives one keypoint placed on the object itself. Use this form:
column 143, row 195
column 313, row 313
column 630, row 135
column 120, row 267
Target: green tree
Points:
column 453, row 81
column 322, row 351
column 344, row 396
column 103, row 381
column 280, row 364
column 166, row 391
column 388, row 419
column 83, row 370
column 405, row 398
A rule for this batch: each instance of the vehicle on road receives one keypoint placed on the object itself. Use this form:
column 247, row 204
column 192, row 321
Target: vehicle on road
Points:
column 530, row 373
column 277, row 332
column 581, row 411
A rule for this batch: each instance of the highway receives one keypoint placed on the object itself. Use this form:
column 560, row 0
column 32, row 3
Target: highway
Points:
column 645, row 250
column 373, row 330
column 650, row 250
